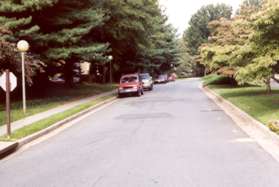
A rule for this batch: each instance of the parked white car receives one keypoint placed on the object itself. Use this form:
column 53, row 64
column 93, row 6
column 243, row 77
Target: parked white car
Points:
column 147, row 81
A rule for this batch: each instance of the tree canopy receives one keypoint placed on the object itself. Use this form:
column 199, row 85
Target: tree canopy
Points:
column 62, row 33
column 198, row 32
column 247, row 44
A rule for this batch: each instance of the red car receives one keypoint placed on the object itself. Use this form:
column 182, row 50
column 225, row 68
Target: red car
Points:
column 172, row 77
column 130, row 84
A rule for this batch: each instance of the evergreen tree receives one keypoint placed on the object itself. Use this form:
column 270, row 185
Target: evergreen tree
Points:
column 134, row 32
column 66, row 36
column 138, row 34
column 17, row 16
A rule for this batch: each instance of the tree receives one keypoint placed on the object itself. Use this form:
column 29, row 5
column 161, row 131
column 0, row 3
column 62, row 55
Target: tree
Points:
column 228, row 51
column 17, row 16
column 134, row 32
column 10, row 59
column 249, row 6
column 163, row 52
column 16, row 20
column 65, row 38
column 185, row 65
column 198, row 32
column 263, row 47
column 139, row 36
column 221, row 53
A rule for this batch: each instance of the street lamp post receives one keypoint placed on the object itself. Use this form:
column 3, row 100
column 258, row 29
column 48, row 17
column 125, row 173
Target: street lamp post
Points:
column 23, row 47
column 110, row 68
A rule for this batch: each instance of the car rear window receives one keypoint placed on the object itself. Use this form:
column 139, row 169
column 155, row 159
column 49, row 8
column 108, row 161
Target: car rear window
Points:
column 144, row 76
column 129, row 79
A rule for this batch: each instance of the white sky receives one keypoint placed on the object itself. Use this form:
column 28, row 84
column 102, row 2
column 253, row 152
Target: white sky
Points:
column 180, row 11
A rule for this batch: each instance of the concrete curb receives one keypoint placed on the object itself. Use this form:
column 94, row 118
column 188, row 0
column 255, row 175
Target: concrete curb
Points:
column 48, row 113
column 6, row 148
column 267, row 139
column 14, row 146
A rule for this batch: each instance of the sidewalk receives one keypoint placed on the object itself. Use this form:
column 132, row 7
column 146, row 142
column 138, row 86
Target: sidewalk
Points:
column 40, row 116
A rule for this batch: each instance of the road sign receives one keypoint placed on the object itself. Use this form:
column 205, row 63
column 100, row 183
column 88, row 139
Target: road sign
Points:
column 3, row 80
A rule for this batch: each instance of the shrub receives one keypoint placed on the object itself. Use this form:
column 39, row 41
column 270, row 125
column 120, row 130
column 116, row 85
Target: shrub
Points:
column 215, row 79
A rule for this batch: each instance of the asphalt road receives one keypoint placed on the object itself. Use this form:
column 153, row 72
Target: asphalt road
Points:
column 172, row 137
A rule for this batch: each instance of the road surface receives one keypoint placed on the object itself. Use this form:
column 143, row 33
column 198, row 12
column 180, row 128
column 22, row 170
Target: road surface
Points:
column 172, row 137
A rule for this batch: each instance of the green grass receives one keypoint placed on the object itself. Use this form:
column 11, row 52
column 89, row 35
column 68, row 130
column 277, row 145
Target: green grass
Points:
column 56, row 95
column 42, row 124
column 253, row 100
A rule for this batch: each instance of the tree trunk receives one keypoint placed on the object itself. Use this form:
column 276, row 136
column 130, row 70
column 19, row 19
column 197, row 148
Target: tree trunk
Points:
column 268, row 86
column 69, row 73
column 205, row 72
column 104, row 74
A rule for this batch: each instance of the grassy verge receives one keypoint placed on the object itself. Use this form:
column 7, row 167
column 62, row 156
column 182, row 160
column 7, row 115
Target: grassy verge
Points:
column 43, row 124
column 56, row 95
column 253, row 100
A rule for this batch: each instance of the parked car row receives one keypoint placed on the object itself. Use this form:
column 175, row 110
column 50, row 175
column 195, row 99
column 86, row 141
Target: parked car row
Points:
column 161, row 79
column 137, row 83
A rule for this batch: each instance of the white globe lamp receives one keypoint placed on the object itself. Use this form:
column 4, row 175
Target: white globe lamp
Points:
column 23, row 46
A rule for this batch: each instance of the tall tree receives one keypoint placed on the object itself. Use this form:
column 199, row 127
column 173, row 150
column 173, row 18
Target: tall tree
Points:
column 264, row 55
column 247, row 44
column 17, row 16
column 134, row 32
column 138, row 34
column 185, row 65
column 66, row 36
column 198, row 32
column 16, row 23
column 163, row 52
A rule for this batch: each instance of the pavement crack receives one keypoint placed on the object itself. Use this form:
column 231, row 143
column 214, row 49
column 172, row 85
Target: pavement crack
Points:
column 144, row 116
column 99, row 179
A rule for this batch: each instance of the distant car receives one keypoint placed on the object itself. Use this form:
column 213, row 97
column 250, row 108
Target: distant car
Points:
column 130, row 84
column 147, row 81
column 172, row 77
column 57, row 80
column 163, row 78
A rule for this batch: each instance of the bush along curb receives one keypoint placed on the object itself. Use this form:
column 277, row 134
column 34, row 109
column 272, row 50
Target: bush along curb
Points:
column 14, row 146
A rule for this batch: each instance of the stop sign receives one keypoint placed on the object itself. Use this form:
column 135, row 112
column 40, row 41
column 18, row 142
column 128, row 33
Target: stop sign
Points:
column 13, row 81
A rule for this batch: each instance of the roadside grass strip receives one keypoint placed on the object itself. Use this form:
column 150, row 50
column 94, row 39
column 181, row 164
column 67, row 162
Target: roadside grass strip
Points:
column 56, row 96
column 254, row 101
column 45, row 123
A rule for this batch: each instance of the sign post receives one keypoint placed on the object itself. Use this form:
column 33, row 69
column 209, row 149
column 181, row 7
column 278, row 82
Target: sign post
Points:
column 8, row 82
column 8, row 103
